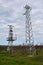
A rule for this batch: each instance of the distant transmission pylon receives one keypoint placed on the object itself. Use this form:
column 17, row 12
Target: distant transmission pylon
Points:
column 29, row 35
column 10, row 39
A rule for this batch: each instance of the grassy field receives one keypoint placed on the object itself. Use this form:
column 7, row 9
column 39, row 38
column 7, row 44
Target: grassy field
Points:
column 11, row 59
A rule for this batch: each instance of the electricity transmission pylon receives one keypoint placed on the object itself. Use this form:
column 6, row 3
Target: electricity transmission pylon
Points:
column 10, row 39
column 29, row 34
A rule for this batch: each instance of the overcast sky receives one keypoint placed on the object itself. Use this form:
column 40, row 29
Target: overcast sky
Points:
column 11, row 12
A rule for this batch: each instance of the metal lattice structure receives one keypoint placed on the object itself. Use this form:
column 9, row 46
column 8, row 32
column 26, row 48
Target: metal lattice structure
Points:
column 10, row 39
column 28, row 26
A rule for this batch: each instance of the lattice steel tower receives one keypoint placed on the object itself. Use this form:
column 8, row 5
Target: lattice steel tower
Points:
column 10, row 39
column 29, row 35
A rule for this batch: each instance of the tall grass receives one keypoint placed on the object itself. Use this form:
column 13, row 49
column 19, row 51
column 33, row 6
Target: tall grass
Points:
column 18, row 59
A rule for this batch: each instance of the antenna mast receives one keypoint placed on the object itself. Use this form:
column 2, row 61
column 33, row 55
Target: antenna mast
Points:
column 28, row 26
column 10, row 39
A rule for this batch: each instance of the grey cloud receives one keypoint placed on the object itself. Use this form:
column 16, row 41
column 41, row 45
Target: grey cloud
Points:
column 11, row 12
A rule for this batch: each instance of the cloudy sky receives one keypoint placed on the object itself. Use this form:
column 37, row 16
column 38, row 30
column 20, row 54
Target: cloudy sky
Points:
column 11, row 12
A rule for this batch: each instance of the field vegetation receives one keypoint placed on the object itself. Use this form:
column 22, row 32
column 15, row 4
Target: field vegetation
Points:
column 20, row 59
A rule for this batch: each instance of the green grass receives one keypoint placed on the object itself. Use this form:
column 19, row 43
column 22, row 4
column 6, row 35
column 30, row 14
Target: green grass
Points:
column 12, row 59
